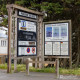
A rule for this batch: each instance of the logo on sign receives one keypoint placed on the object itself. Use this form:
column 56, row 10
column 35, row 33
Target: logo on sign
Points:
column 28, row 50
column 33, row 50
column 23, row 25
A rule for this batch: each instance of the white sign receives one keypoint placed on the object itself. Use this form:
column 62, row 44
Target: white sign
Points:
column 48, row 48
column 56, row 38
column 56, row 48
column 28, row 43
column 25, row 14
column 27, row 25
column 64, row 48
column 56, row 32
column 27, row 51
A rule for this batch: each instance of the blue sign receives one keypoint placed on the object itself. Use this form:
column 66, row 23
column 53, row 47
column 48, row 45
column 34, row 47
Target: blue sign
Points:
column 28, row 50
column 23, row 23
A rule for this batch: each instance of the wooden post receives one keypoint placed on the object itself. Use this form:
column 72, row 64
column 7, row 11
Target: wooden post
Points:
column 57, row 68
column 27, row 67
column 41, row 41
column 70, row 37
column 36, row 63
column 40, row 64
column 9, row 39
column 15, row 60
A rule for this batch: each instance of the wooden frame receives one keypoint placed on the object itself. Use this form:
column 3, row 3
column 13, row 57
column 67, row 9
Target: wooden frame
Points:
column 70, row 42
column 13, row 13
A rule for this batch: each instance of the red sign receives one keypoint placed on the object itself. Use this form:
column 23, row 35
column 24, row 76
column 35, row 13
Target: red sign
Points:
column 33, row 49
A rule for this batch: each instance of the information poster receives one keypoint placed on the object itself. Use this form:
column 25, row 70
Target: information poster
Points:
column 64, row 48
column 27, row 25
column 27, row 38
column 27, row 51
column 56, row 32
column 56, row 48
column 56, row 39
column 48, row 48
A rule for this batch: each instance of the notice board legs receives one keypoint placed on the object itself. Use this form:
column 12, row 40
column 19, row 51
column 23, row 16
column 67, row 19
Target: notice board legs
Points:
column 36, row 63
column 15, row 65
column 57, row 68
column 40, row 64
column 27, row 67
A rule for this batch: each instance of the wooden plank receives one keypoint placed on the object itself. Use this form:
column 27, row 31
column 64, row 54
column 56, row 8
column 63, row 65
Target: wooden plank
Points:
column 24, row 9
column 44, row 62
column 56, row 56
column 25, row 57
column 24, row 18
column 57, row 21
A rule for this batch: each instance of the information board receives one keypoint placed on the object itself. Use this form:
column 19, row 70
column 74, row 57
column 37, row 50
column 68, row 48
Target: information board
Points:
column 56, row 38
column 26, row 40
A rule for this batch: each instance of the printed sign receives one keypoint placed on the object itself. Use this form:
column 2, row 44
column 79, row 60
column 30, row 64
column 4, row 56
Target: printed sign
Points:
column 56, row 32
column 27, row 38
column 64, row 48
column 48, row 48
column 33, row 50
column 56, row 38
column 28, row 43
column 56, row 48
column 27, row 25
column 26, row 14
column 26, row 51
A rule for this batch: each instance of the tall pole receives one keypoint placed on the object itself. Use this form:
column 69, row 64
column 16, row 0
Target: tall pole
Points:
column 9, row 39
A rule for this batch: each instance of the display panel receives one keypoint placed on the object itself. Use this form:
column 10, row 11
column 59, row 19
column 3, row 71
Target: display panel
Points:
column 56, row 39
column 27, row 38
column 56, row 48
column 56, row 32
column 48, row 48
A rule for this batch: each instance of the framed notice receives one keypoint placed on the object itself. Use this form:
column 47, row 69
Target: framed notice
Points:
column 26, row 38
column 57, row 38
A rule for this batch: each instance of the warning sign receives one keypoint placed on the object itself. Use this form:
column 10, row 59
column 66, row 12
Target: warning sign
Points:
column 28, row 50
column 33, row 50
column 25, row 51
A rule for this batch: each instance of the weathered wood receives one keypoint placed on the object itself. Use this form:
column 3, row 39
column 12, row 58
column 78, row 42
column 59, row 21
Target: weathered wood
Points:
column 44, row 62
column 70, row 44
column 9, row 38
column 24, row 18
column 15, row 60
column 27, row 67
column 24, row 9
column 40, row 39
column 25, row 57
column 36, row 59
column 56, row 56
column 57, row 68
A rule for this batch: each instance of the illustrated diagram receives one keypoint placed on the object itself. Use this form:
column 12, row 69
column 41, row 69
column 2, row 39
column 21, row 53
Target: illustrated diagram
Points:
column 55, row 31
column 49, row 32
column 63, row 31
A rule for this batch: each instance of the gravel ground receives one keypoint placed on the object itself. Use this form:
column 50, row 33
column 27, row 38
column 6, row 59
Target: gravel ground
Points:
column 35, row 76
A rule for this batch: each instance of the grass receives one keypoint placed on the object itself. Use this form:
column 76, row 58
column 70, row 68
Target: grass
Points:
column 22, row 67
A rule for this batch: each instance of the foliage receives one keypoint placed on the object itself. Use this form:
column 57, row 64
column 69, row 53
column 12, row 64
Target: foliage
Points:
column 22, row 67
